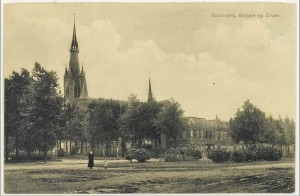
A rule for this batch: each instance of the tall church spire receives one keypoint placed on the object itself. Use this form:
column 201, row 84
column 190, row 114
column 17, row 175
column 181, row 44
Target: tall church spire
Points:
column 150, row 95
column 74, row 44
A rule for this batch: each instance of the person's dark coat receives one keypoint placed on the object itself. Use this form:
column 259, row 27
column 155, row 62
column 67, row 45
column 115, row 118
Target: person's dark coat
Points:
column 91, row 160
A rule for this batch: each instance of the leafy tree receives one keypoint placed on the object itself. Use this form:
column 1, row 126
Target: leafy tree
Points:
column 15, row 87
column 153, row 131
column 75, row 126
column 289, row 126
column 138, row 122
column 248, row 125
column 270, row 127
column 103, row 119
column 46, row 105
column 131, row 122
column 169, row 120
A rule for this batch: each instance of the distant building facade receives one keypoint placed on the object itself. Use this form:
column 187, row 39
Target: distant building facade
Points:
column 206, row 134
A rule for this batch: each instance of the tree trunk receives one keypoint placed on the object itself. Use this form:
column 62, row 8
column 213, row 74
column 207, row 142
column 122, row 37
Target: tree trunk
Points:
column 45, row 151
column 156, row 149
column 123, row 147
column 66, row 147
column 17, row 145
column 81, row 147
column 29, row 154
column 6, row 153
column 107, row 150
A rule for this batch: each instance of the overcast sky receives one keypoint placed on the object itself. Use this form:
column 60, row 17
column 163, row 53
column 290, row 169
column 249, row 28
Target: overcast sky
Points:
column 210, row 65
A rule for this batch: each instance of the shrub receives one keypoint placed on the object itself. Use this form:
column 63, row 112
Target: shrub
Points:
column 173, row 157
column 272, row 153
column 218, row 155
column 130, row 154
column 141, row 155
column 257, row 153
column 194, row 153
column 238, row 155
column 61, row 153
column 182, row 154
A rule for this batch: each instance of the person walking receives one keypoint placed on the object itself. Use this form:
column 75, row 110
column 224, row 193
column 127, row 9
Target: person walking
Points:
column 91, row 160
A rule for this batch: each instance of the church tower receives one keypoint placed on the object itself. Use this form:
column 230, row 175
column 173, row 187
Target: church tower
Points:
column 74, row 80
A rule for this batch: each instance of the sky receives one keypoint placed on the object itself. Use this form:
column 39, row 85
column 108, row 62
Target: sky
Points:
column 210, row 65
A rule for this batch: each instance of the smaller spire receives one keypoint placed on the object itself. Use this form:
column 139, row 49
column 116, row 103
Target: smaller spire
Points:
column 84, row 91
column 150, row 95
column 66, row 70
column 82, row 71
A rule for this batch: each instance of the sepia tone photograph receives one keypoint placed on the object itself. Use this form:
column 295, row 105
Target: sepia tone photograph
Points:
column 149, row 98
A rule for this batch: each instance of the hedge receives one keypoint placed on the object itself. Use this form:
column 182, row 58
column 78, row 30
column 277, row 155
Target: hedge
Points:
column 252, row 153
column 182, row 154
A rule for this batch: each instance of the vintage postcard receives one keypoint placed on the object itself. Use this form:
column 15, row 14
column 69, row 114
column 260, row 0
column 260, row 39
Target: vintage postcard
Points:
column 149, row 98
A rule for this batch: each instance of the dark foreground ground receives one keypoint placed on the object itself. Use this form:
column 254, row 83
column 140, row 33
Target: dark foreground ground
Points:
column 155, row 176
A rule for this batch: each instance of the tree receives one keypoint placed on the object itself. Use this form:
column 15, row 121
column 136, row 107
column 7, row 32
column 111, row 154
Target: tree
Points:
column 248, row 125
column 131, row 122
column 289, row 127
column 15, row 87
column 169, row 120
column 103, row 119
column 75, row 127
column 137, row 123
column 46, row 105
column 153, row 131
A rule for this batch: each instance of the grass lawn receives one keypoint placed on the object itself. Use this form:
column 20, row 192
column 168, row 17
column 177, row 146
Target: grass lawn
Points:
column 203, row 176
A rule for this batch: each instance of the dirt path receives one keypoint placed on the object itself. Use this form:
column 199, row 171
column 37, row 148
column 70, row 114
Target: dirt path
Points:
column 61, row 164
column 73, row 176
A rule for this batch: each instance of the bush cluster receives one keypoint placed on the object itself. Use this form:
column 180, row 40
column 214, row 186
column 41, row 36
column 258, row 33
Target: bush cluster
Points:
column 218, row 155
column 141, row 155
column 252, row 153
column 182, row 154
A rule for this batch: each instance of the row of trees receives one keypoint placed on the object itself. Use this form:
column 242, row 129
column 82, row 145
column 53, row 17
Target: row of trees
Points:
column 250, row 125
column 134, row 122
column 33, row 109
column 37, row 119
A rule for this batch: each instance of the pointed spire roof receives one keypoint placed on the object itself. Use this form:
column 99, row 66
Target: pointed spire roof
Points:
column 66, row 71
column 150, row 98
column 74, row 44
column 84, row 92
column 82, row 71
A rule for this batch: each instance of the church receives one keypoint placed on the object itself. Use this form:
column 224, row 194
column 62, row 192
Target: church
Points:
column 201, row 133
